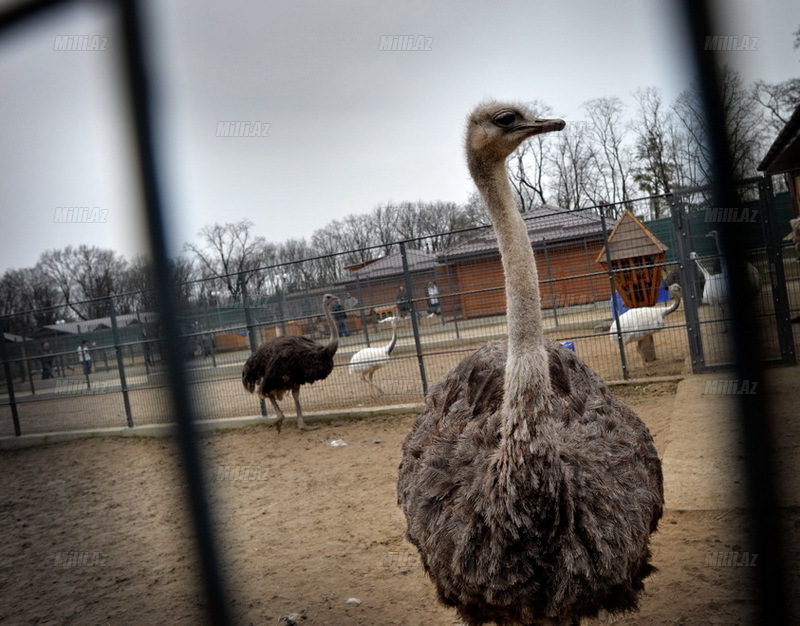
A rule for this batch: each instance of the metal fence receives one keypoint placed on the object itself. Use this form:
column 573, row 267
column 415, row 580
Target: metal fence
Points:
column 453, row 301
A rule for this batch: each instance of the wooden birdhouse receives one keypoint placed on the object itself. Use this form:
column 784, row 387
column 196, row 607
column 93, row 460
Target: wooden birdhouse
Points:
column 636, row 257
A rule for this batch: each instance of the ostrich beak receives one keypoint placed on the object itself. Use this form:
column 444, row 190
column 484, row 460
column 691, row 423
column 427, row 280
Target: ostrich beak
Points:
column 539, row 126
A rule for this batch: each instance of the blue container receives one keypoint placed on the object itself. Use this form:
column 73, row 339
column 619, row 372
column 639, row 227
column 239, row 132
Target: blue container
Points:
column 663, row 296
column 569, row 345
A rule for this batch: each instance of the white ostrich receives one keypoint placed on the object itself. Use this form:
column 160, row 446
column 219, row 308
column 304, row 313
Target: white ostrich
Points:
column 753, row 275
column 715, row 290
column 367, row 361
column 640, row 323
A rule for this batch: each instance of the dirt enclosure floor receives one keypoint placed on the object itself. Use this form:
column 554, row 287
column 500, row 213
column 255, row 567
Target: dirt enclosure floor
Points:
column 95, row 531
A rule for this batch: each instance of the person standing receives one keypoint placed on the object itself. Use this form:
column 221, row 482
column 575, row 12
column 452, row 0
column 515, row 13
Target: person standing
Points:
column 403, row 302
column 340, row 315
column 47, row 361
column 434, row 307
column 85, row 357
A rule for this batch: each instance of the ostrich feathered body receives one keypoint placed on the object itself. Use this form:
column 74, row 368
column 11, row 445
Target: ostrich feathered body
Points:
column 638, row 323
column 283, row 363
column 569, row 535
column 367, row 360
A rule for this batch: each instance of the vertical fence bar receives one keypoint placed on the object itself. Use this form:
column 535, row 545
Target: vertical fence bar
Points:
column 251, row 328
column 364, row 322
column 691, row 299
column 550, row 282
column 754, row 415
column 414, row 321
column 777, row 273
column 120, row 362
column 453, row 306
column 614, row 305
column 138, row 96
column 9, row 381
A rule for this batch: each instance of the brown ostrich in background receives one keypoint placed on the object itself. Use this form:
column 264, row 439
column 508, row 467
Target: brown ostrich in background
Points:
column 285, row 363
column 529, row 490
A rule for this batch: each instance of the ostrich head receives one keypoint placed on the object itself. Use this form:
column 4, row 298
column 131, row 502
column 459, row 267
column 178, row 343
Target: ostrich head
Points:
column 327, row 300
column 496, row 129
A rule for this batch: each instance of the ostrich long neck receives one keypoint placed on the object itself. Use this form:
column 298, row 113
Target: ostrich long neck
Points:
column 333, row 342
column 676, row 300
column 393, row 340
column 527, row 377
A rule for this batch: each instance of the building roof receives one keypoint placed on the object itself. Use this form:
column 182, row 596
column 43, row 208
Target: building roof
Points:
column 784, row 153
column 545, row 223
column 392, row 265
column 101, row 323
column 12, row 338
column 630, row 238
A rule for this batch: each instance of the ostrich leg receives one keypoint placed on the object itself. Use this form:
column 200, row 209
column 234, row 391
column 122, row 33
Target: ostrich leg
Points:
column 368, row 379
column 278, row 412
column 301, row 423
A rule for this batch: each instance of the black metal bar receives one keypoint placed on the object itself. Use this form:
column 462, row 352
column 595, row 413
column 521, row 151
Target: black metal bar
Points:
column 691, row 299
column 770, row 575
column 414, row 321
column 214, row 593
column 251, row 328
column 614, row 306
column 9, row 381
column 112, row 313
column 777, row 274
column 550, row 282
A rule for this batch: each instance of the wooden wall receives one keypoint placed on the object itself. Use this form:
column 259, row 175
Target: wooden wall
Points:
column 567, row 275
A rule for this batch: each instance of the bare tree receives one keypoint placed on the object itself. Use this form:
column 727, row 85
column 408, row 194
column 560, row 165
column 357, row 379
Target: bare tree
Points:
column 86, row 276
column 226, row 251
column 779, row 99
column 527, row 166
column 743, row 120
column 658, row 169
column 571, row 160
column 608, row 154
column 29, row 299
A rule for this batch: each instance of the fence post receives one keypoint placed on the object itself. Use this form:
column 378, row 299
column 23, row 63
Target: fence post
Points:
column 9, row 381
column 550, row 281
column 364, row 323
column 120, row 362
column 691, row 299
column 614, row 305
column 414, row 323
column 453, row 306
column 777, row 273
column 251, row 329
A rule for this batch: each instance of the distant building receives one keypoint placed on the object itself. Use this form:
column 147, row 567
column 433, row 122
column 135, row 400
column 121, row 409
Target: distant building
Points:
column 783, row 157
column 565, row 244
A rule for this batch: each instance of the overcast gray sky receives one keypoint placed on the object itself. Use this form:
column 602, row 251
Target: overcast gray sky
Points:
column 350, row 125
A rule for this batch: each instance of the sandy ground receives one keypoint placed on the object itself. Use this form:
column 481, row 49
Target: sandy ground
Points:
column 94, row 531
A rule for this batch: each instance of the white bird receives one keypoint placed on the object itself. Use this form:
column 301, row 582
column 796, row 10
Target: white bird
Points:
column 639, row 323
column 715, row 290
column 367, row 361
column 753, row 275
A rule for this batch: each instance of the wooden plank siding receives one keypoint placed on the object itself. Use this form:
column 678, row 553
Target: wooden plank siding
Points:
column 567, row 275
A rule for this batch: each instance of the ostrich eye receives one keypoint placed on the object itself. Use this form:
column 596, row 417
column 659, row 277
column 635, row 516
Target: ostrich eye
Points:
column 505, row 118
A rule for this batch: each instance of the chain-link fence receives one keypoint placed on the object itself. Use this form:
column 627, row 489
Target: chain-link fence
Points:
column 593, row 266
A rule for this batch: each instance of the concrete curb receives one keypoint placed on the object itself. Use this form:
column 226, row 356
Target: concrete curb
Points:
column 204, row 426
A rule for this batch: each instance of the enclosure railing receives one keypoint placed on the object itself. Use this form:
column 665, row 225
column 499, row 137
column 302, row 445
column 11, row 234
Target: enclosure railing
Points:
column 454, row 301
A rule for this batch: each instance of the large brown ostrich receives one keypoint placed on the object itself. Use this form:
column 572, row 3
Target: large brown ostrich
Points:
column 285, row 363
column 529, row 490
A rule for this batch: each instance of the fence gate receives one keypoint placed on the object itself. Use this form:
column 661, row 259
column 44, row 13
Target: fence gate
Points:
column 707, row 318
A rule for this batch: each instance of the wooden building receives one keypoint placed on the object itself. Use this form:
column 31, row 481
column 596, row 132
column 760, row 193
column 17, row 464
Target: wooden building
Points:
column 565, row 244
column 637, row 258
column 783, row 157
column 376, row 284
